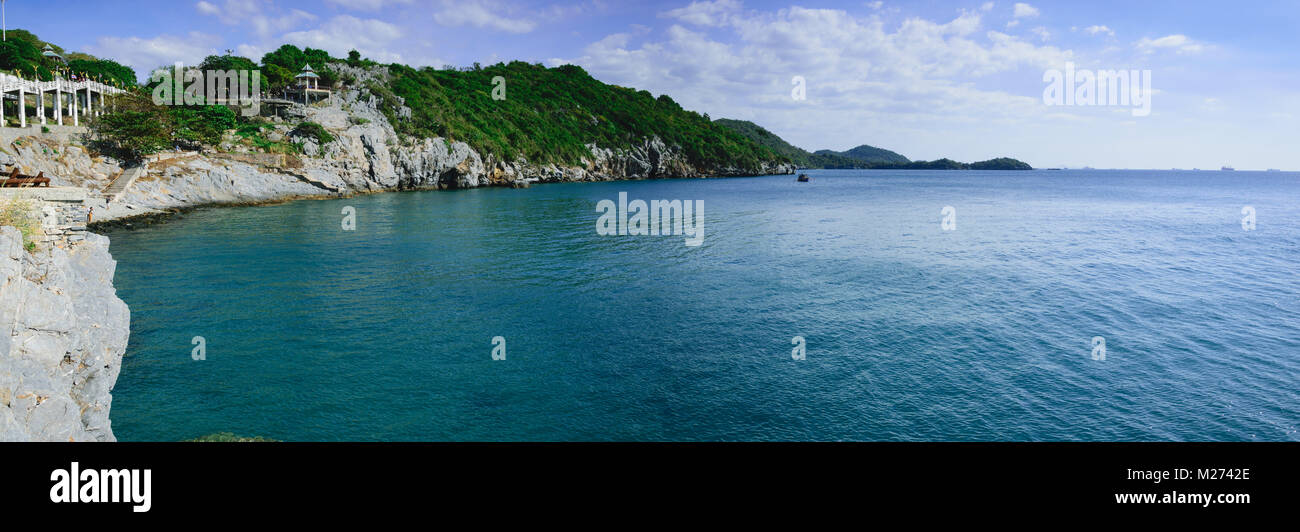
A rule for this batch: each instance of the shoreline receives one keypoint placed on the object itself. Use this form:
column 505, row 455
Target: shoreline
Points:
column 161, row 216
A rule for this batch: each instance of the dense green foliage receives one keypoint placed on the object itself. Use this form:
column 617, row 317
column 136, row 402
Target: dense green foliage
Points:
column 862, row 156
column 132, row 133
column 280, row 67
column 766, row 139
column 867, row 154
column 313, row 130
column 551, row 114
column 139, row 127
column 105, row 70
column 1001, row 163
column 22, row 54
column 201, row 126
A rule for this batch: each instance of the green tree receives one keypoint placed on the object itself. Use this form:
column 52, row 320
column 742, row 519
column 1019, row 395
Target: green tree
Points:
column 201, row 126
column 138, row 128
column 105, row 70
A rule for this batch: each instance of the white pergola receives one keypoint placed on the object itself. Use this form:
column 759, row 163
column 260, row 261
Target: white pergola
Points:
column 84, row 98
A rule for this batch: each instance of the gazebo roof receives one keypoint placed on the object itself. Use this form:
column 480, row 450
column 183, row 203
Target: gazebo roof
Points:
column 307, row 72
column 49, row 52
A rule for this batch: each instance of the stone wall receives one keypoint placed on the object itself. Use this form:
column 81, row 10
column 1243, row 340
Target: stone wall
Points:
column 63, row 211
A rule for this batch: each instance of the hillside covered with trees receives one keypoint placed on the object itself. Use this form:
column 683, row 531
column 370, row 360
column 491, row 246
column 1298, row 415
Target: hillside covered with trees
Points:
column 552, row 114
column 21, row 54
column 864, row 156
column 546, row 115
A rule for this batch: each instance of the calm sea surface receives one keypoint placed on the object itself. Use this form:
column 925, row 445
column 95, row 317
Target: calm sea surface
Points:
column 912, row 332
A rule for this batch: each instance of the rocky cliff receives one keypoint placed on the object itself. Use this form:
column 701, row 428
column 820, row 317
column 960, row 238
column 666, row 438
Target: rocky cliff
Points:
column 366, row 155
column 64, row 331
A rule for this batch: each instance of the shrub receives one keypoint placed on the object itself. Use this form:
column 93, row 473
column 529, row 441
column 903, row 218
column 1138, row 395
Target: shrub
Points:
column 20, row 213
column 132, row 134
column 313, row 130
column 202, row 125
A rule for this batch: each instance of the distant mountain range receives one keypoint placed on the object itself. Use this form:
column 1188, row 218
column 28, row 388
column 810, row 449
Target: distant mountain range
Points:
column 863, row 156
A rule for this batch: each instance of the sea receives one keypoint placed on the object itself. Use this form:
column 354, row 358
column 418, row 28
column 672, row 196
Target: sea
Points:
column 864, row 305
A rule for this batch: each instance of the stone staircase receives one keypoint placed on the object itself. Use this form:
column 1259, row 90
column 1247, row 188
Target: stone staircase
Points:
column 119, row 185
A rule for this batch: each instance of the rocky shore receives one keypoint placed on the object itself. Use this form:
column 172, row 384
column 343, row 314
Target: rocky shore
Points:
column 64, row 334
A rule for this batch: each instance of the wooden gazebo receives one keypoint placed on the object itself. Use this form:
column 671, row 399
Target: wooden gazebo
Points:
column 307, row 83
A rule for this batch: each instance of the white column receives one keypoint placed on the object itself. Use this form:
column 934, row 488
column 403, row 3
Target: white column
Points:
column 22, row 107
column 76, row 114
column 58, row 103
column 2, row 108
column 40, row 104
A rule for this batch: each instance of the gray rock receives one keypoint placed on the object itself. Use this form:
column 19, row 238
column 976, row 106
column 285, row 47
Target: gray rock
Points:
column 63, row 332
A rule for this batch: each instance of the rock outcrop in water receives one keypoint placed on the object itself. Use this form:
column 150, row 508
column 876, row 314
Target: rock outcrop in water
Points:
column 64, row 333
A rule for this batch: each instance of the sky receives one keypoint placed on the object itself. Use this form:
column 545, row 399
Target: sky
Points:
column 928, row 79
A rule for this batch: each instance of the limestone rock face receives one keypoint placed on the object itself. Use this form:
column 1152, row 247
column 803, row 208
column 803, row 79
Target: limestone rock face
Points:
column 63, row 331
column 435, row 163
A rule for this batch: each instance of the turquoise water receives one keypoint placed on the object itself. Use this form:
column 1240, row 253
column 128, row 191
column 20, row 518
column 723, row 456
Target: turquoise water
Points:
column 912, row 332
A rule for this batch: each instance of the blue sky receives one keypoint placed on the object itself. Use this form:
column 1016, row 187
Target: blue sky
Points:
column 928, row 79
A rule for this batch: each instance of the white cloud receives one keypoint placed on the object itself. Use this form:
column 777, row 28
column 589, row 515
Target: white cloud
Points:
column 367, row 5
column 1042, row 33
column 343, row 33
column 988, row 6
column 1179, row 43
column 144, row 55
column 1023, row 10
column 875, row 5
column 207, row 8
column 1094, row 30
column 920, row 73
column 1013, row 24
column 262, row 17
column 714, row 13
column 481, row 14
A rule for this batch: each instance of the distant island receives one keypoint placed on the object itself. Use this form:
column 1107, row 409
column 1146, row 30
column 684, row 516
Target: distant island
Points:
column 861, row 157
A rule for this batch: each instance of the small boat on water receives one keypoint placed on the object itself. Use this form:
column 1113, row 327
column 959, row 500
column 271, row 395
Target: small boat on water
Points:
column 1228, row 169
column 803, row 178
